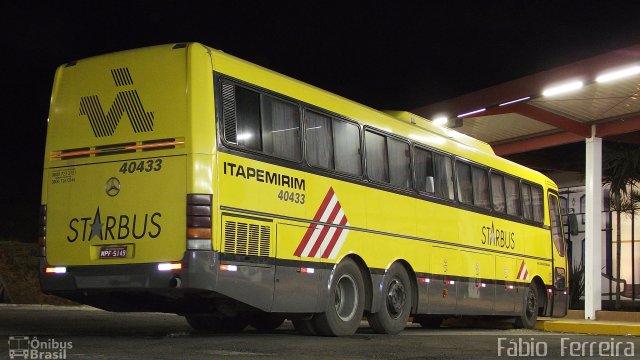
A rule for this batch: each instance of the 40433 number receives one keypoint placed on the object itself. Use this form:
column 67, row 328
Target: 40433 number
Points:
column 141, row 166
column 291, row 196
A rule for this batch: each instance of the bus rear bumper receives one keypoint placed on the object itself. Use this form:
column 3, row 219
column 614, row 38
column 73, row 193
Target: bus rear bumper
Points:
column 137, row 287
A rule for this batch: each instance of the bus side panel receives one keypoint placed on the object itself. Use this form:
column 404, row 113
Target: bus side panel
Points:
column 442, row 288
column 508, row 294
column 299, row 287
column 424, row 278
column 476, row 294
column 390, row 213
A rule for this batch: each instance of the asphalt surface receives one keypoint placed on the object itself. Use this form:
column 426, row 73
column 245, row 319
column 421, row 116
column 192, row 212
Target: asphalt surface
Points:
column 95, row 334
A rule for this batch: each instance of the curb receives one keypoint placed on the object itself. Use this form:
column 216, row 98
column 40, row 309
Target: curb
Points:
column 594, row 327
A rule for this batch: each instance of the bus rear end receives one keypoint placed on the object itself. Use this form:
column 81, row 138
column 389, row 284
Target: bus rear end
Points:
column 123, row 224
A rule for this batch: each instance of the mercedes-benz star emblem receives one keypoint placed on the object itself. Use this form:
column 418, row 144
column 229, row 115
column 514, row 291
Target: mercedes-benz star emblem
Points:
column 112, row 187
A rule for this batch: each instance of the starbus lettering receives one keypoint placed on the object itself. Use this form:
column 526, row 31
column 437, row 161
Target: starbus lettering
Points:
column 264, row 176
column 498, row 238
column 114, row 227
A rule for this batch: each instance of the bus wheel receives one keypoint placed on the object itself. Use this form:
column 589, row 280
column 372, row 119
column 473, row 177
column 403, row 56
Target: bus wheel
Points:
column 214, row 324
column 529, row 314
column 346, row 302
column 266, row 321
column 396, row 303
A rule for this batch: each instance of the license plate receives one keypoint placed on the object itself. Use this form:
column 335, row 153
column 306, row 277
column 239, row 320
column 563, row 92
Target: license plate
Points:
column 113, row 252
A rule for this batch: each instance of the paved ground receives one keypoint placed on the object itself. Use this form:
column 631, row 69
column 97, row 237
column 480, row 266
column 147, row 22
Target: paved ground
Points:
column 97, row 334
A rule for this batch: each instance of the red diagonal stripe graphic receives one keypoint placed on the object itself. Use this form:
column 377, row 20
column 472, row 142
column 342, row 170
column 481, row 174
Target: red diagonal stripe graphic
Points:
column 325, row 230
column 305, row 239
column 335, row 238
column 521, row 270
column 312, row 227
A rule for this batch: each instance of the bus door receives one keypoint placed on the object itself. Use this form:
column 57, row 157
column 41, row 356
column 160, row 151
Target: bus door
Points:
column 559, row 299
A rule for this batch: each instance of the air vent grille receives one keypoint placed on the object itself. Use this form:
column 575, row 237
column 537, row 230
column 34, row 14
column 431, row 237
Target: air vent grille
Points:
column 245, row 238
column 229, row 112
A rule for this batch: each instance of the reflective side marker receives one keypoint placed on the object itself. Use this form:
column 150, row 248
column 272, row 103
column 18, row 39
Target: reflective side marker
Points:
column 226, row 267
column 425, row 280
column 55, row 270
column 307, row 270
column 169, row 266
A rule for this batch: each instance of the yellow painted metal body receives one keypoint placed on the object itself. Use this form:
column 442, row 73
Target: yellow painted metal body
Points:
column 387, row 226
column 148, row 214
column 177, row 86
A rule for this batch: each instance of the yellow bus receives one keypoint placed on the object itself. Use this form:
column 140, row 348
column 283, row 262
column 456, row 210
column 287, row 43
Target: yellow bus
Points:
column 181, row 179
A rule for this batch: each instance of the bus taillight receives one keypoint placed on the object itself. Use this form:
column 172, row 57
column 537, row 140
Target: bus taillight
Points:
column 199, row 221
column 42, row 231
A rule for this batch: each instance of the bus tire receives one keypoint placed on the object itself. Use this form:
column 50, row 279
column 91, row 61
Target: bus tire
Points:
column 266, row 321
column 304, row 327
column 396, row 302
column 214, row 324
column 529, row 316
column 345, row 306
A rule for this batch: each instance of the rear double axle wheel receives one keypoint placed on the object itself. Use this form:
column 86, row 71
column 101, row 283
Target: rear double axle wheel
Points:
column 396, row 302
column 344, row 309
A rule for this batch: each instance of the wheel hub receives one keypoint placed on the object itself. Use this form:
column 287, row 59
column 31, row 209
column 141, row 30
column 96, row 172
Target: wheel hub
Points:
column 396, row 298
column 346, row 298
column 531, row 304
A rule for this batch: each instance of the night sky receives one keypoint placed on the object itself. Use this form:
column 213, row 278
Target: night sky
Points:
column 388, row 55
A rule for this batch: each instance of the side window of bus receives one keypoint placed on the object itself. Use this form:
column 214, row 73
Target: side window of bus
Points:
column 465, row 184
column 247, row 131
column 497, row 191
column 538, row 205
column 333, row 144
column 527, row 205
column 512, row 192
column 388, row 160
column 556, row 224
column 433, row 173
column 480, row 178
column 261, row 122
column 473, row 185
column 376, row 146
column 425, row 176
column 444, row 176
column 280, row 128
column 346, row 137
column 399, row 163
column 319, row 140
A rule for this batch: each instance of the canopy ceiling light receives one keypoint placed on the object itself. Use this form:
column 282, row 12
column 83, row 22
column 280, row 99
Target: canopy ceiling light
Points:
column 564, row 88
column 618, row 74
column 442, row 121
